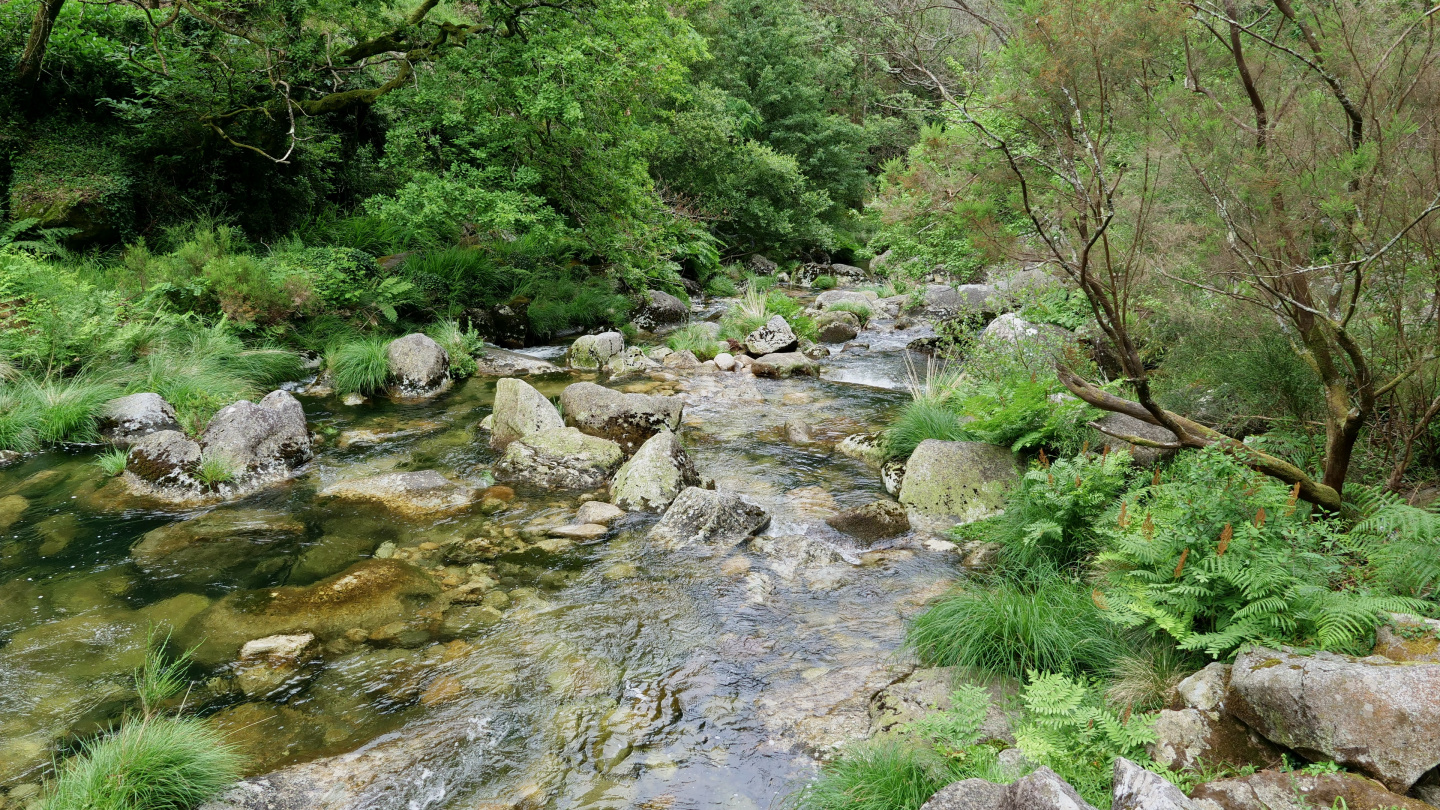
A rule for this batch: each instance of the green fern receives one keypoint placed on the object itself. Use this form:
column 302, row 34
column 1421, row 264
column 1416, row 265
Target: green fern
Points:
column 1401, row 542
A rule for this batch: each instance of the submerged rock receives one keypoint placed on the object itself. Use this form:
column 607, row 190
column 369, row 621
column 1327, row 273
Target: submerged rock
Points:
column 520, row 411
column 598, row 512
column 560, row 458
column 1372, row 714
column 419, row 365
column 963, row 481
column 651, row 480
column 774, row 337
column 11, row 508
column 787, row 364
column 276, row 664
column 502, row 363
column 205, row 548
column 629, row 420
column 411, row 493
column 875, row 521
column 660, row 309
column 594, row 351
column 721, row 519
column 126, row 420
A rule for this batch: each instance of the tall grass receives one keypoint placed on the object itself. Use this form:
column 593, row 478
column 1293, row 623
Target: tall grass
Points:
column 859, row 310
column 462, row 345
column 823, row 283
column 157, row 763
column 695, row 338
column 359, row 366
column 1008, row 628
column 65, row 409
column 884, row 775
column 919, row 420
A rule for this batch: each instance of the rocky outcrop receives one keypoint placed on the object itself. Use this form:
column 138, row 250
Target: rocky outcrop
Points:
column 422, row 492
column 719, row 519
column 276, row 664
column 258, row 443
column 1273, row 790
column 1200, row 732
column 1011, row 328
column 838, row 330
column 520, row 411
column 419, row 366
column 943, row 301
column 775, row 336
column 784, row 364
column 560, row 458
column 651, row 480
column 868, row 524
column 593, row 352
column 761, row 265
column 659, row 310
column 960, row 481
column 128, row 419
column 629, row 420
column 1138, row 789
column 1372, row 715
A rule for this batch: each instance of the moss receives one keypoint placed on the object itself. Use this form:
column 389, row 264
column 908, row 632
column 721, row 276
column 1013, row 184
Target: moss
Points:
column 66, row 179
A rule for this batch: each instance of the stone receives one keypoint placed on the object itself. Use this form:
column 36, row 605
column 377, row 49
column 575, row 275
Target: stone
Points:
column 598, row 512
column 1043, row 790
column 629, row 362
column 942, row 301
column 164, row 460
column 968, row 794
column 1273, row 790
column 797, row 432
column 784, row 364
column 660, row 309
column 11, row 508
column 1408, row 638
column 1139, row 789
column 814, row 351
column 725, row 361
column 501, row 363
column 651, row 480
column 275, row 664
column 963, row 481
column 580, row 531
column 892, row 475
column 418, row 365
column 520, row 411
column 629, row 420
column 760, row 265
column 560, row 458
column 1372, row 715
column 875, row 521
column 1011, row 328
column 1199, row 732
column 264, row 440
column 353, row 399
column 719, row 519
column 830, row 298
column 368, row 595
column 898, row 707
column 594, row 351
column 774, row 337
column 421, row 492
column 125, row 420
column 213, row 545
column 837, row 332
column 1205, row 690
column 681, row 360
column 1144, row 455
column 793, row 555
column 866, row 447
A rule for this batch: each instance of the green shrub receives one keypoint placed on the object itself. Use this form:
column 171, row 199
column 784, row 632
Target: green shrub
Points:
column 461, row 344
column 359, row 366
column 822, row 283
column 562, row 302
column 1049, row 623
column 112, row 462
column 876, row 775
column 1219, row 556
column 695, row 338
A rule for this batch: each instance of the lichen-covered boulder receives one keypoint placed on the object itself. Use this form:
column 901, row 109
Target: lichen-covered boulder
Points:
column 1138, row 789
column 1200, row 732
column 629, row 420
column 1372, row 715
column 943, row 301
column 419, row 366
column 594, row 351
column 1143, row 454
column 126, row 420
column 838, row 331
column 718, row 519
column 520, row 411
column 560, row 458
column 830, row 298
column 630, row 362
column 164, row 461
column 760, row 265
column 660, row 309
column 875, row 521
column 968, row 794
column 866, row 447
column 963, row 481
column 1408, row 638
column 784, row 364
column 263, row 441
column 420, row 492
column 775, row 336
column 657, row 473
column 1011, row 328
column 1274, row 790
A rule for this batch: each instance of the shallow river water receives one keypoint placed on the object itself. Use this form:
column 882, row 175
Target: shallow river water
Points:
column 608, row 675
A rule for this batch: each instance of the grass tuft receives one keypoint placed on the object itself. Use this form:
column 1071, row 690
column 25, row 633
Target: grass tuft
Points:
column 885, row 775
column 695, row 338
column 920, row 420
column 359, row 366
column 159, row 763
column 112, row 462
column 215, row 470
column 461, row 344
column 823, row 283
column 861, row 311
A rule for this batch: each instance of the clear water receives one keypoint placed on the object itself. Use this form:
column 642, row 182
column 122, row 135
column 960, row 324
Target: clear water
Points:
column 620, row 675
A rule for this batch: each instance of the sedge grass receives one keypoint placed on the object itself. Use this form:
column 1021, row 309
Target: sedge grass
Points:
column 156, row 763
column 884, row 775
column 359, row 366
column 697, row 339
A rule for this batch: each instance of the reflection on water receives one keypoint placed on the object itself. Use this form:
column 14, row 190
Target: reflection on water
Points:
column 603, row 675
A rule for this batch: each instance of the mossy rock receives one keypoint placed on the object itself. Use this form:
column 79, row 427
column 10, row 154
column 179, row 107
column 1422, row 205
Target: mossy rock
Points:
column 964, row 481
column 67, row 179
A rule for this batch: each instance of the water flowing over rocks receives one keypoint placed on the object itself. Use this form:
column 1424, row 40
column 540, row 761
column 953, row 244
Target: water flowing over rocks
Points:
column 875, row 521
column 276, row 664
column 419, row 366
column 223, row 540
column 502, row 363
column 719, row 519
column 407, row 493
column 593, row 352
column 629, row 420
column 772, row 338
column 126, row 420
column 1377, row 716
column 963, row 481
column 652, row 479
column 520, row 411
column 560, row 458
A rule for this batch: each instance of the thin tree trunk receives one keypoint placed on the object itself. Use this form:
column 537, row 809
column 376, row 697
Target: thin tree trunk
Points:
column 27, row 72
